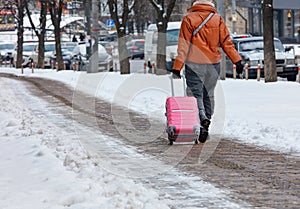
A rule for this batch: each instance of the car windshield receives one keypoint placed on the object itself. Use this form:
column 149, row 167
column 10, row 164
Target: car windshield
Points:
column 81, row 49
column 172, row 37
column 65, row 51
column 49, row 47
column 7, row 46
column 256, row 45
column 67, row 48
column 28, row 48
column 140, row 44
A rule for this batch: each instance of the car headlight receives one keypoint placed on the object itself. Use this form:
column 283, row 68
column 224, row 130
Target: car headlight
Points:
column 253, row 62
column 290, row 61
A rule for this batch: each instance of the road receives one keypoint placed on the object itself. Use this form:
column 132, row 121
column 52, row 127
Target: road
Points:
column 255, row 177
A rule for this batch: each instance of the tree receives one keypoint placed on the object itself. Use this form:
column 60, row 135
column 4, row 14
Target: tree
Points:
column 55, row 8
column 121, row 19
column 40, row 31
column 269, row 51
column 142, row 14
column 163, row 18
column 20, row 16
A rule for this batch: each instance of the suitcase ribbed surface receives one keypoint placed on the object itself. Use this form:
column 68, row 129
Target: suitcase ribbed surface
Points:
column 182, row 113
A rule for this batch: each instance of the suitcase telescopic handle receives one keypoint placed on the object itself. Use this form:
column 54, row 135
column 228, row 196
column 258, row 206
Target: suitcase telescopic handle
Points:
column 172, row 85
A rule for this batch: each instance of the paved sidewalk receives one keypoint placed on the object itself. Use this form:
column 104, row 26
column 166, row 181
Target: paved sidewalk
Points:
column 255, row 177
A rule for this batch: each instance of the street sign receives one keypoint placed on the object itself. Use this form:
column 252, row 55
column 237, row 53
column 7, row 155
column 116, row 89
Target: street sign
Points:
column 110, row 23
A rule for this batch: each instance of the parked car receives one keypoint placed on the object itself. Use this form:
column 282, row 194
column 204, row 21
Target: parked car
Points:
column 293, row 49
column 136, row 48
column 49, row 48
column 151, row 37
column 109, row 37
column 79, row 59
column 107, row 45
column 68, row 45
column 6, row 50
column 252, row 52
column 66, row 50
column 27, row 53
column 237, row 36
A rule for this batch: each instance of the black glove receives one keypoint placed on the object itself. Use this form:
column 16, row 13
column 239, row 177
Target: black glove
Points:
column 239, row 67
column 176, row 74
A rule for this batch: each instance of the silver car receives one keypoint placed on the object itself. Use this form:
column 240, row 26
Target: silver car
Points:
column 6, row 50
column 49, row 48
column 79, row 61
column 27, row 53
column 252, row 52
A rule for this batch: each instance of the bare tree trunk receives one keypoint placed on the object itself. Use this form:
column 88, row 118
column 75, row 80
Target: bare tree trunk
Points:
column 56, row 12
column 143, row 11
column 20, row 6
column 162, row 24
column 123, row 54
column 161, row 48
column 120, row 22
column 40, row 32
column 269, row 51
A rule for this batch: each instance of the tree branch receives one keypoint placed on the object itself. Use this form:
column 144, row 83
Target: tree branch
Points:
column 30, row 20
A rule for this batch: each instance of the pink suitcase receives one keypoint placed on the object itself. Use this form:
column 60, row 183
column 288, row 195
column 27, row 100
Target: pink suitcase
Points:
column 182, row 118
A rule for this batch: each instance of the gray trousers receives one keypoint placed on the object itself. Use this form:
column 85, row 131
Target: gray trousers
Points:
column 201, row 81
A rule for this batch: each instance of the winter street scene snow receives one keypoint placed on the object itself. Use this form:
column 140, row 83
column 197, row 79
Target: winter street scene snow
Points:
column 55, row 156
column 149, row 104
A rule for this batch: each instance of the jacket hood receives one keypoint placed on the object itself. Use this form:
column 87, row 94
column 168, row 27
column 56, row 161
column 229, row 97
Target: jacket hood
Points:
column 210, row 2
column 202, row 7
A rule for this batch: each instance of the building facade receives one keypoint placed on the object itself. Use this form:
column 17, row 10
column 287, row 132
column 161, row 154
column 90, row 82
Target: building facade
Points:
column 247, row 17
column 286, row 18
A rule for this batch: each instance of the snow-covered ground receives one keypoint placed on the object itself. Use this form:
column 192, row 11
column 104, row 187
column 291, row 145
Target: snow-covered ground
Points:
column 44, row 166
column 266, row 114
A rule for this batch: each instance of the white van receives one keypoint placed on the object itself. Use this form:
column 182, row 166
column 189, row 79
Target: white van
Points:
column 171, row 45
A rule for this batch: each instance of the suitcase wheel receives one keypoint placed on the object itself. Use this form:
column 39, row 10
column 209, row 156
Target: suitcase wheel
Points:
column 172, row 130
column 197, row 130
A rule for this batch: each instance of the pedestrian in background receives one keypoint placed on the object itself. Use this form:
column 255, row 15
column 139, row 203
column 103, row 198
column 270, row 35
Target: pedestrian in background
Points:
column 201, row 55
column 74, row 39
column 81, row 37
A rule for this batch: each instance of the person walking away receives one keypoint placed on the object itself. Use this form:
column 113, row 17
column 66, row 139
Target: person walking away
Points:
column 74, row 39
column 201, row 56
column 81, row 37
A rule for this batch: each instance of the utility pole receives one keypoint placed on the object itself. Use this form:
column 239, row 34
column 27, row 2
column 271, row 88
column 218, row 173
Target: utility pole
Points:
column 221, row 11
column 233, row 12
column 94, row 58
column 87, row 13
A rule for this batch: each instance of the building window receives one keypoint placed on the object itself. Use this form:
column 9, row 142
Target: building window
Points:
column 288, row 23
column 297, row 25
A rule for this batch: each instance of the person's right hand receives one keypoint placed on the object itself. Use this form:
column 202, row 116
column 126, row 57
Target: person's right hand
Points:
column 176, row 74
column 239, row 67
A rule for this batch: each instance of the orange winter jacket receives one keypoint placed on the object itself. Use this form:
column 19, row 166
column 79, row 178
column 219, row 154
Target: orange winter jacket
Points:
column 204, row 47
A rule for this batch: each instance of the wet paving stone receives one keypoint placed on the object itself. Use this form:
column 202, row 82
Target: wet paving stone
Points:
column 259, row 177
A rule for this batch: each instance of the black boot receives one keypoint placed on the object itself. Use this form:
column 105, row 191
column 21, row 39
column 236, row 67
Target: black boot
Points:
column 204, row 130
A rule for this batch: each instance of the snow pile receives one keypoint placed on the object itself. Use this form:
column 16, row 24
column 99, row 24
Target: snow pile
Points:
column 37, row 178
column 251, row 111
column 36, row 148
